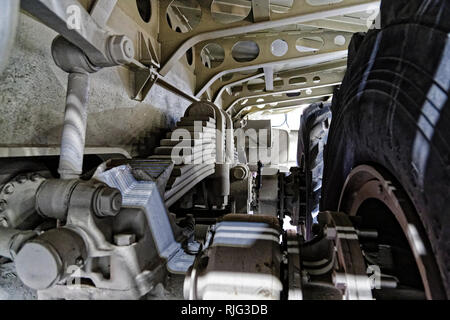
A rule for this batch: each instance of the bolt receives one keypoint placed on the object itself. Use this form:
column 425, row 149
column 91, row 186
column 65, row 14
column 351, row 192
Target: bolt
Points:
column 9, row 189
column 121, row 49
column 124, row 240
column 239, row 173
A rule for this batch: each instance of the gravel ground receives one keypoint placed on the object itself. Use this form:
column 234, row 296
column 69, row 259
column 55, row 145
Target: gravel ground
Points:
column 11, row 288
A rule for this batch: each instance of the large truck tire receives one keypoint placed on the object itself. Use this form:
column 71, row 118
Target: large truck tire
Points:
column 313, row 134
column 392, row 112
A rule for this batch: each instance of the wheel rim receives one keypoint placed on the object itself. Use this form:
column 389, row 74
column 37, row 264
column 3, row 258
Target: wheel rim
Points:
column 367, row 183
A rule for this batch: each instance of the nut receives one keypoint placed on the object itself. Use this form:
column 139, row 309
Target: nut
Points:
column 108, row 202
column 240, row 172
column 121, row 49
column 124, row 240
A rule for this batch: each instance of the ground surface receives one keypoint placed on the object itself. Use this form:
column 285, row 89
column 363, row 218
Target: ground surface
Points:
column 11, row 288
column 33, row 93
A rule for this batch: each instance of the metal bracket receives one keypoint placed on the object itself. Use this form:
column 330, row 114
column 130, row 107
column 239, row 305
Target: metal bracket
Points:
column 304, row 47
column 175, row 44
column 322, row 94
column 249, row 94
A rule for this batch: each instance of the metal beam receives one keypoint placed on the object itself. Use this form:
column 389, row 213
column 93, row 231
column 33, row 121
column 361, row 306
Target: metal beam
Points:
column 146, row 77
column 321, row 41
column 219, row 87
column 286, row 107
column 102, row 10
column 336, row 25
column 328, row 66
column 301, row 61
column 268, row 76
column 20, row 152
column 175, row 45
column 311, row 81
column 305, row 93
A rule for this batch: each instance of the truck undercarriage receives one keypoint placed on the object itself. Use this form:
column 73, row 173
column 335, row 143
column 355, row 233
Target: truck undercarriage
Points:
column 224, row 149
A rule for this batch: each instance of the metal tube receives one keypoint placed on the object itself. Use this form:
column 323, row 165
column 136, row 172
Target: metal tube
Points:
column 166, row 84
column 74, row 130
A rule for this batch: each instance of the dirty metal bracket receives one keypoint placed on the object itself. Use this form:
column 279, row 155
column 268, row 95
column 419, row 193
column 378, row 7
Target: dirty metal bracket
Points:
column 89, row 37
column 303, row 82
column 322, row 94
column 326, row 44
column 175, row 45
